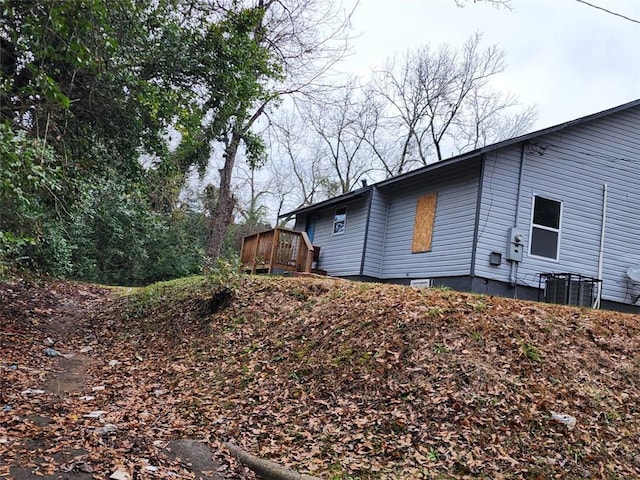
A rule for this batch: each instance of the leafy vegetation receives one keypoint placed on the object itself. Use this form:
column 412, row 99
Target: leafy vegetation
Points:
column 90, row 94
column 28, row 181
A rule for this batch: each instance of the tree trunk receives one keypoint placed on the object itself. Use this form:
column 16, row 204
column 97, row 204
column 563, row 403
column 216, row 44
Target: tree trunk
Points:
column 222, row 215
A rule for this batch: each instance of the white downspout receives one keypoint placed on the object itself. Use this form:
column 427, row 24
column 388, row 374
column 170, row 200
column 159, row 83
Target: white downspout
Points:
column 596, row 304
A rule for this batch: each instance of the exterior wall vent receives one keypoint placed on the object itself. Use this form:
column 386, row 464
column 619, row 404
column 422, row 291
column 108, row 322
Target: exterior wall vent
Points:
column 569, row 289
column 422, row 283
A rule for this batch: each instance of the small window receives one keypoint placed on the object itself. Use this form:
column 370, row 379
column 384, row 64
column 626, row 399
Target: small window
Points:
column 545, row 228
column 339, row 220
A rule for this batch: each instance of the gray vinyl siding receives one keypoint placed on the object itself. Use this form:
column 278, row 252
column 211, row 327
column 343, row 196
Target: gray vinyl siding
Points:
column 572, row 167
column 569, row 164
column 450, row 255
column 497, row 211
column 375, row 239
column 301, row 223
column 622, row 241
column 341, row 254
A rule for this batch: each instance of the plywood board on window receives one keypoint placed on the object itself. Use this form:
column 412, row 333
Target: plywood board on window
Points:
column 423, row 226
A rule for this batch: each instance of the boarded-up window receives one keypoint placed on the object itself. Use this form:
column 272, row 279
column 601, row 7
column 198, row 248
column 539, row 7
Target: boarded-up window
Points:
column 423, row 227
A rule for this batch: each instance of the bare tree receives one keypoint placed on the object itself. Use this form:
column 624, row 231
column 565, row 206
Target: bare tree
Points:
column 305, row 39
column 298, row 164
column 406, row 108
column 491, row 116
column 432, row 95
column 381, row 138
column 341, row 122
column 494, row 3
column 251, row 206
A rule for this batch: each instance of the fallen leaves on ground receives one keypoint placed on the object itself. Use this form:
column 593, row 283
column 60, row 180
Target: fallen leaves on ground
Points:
column 339, row 379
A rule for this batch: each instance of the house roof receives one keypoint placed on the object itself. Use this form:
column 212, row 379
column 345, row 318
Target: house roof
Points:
column 330, row 202
column 469, row 155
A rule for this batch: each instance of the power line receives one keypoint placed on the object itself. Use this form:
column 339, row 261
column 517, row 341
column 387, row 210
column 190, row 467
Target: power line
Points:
column 609, row 11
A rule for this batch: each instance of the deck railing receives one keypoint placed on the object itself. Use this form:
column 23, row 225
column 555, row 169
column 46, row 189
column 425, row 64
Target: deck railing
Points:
column 280, row 249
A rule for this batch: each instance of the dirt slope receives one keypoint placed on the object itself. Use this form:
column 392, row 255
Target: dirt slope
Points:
column 347, row 380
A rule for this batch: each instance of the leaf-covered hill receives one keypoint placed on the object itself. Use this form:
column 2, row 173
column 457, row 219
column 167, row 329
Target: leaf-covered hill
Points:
column 359, row 380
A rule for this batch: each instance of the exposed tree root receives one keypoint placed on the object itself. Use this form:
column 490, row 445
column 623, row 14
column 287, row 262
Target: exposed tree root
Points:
column 266, row 469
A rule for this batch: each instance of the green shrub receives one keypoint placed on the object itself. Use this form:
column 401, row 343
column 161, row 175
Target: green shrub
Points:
column 29, row 182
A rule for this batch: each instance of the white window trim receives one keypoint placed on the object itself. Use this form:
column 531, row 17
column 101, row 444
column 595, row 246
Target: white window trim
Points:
column 542, row 227
column 333, row 224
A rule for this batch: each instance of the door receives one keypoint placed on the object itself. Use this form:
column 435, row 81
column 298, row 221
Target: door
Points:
column 311, row 226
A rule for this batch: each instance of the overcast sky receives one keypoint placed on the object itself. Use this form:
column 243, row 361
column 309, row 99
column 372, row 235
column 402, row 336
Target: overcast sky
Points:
column 565, row 57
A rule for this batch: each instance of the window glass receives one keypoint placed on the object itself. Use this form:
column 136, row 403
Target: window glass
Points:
column 545, row 228
column 544, row 243
column 546, row 212
column 339, row 220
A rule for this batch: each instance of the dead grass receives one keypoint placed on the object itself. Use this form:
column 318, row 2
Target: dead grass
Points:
column 350, row 380
column 380, row 381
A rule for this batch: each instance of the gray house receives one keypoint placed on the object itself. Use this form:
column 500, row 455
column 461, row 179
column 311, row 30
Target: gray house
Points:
column 551, row 215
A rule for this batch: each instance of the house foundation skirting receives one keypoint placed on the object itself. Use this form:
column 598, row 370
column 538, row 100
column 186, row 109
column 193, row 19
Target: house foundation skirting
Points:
column 494, row 287
column 479, row 285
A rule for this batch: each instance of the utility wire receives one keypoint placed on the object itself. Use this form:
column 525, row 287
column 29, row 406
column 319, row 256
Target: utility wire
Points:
column 609, row 11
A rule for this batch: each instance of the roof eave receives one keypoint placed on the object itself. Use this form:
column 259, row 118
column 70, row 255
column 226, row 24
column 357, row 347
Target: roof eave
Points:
column 463, row 157
column 329, row 202
column 509, row 142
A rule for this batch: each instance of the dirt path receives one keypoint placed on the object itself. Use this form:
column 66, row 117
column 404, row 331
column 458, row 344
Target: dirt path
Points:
column 54, row 407
column 46, row 335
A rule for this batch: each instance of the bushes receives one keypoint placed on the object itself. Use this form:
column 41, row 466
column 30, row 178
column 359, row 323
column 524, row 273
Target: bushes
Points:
column 29, row 181
column 121, row 240
column 105, row 231
column 99, row 227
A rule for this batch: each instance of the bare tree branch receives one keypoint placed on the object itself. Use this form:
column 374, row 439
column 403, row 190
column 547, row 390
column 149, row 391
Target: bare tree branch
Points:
column 342, row 123
column 441, row 97
column 494, row 3
column 305, row 39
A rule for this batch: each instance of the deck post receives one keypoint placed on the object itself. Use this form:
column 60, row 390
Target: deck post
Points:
column 274, row 248
column 242, row 252
column 310, row 251
column 255, row 253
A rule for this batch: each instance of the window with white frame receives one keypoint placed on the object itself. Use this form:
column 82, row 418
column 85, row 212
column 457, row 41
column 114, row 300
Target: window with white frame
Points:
column 339, row 220
column 545, row 228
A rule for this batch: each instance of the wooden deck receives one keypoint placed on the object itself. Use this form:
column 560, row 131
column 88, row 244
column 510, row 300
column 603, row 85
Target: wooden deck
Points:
column 277, row 250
